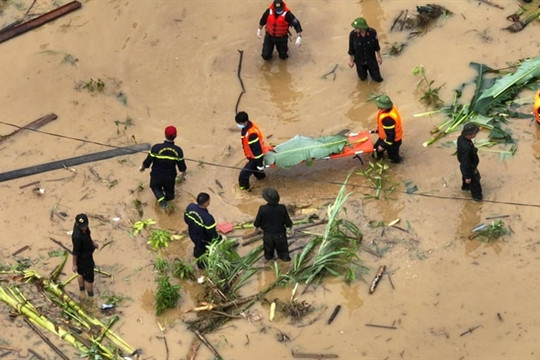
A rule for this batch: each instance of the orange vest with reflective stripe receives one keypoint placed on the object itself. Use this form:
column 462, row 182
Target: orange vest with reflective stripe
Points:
column 254, row 129
column 393, row 113
column 277, row 26
column 537, row 107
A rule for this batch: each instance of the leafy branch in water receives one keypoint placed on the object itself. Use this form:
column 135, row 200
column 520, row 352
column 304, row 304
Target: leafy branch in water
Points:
column 378, row 180
column 491, row 232
column 431, row 93
column 492, row 103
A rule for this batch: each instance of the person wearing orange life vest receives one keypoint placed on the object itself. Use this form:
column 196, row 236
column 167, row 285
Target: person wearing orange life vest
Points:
column 389, row 129
column 253, row 145
column 277, row 19
column 537, row 107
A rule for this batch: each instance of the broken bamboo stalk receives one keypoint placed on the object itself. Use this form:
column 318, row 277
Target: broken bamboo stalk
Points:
column 40, row 20
column 377, row 278
column 34, row 125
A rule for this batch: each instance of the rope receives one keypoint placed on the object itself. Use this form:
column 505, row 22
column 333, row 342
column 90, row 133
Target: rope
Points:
column 338, row 183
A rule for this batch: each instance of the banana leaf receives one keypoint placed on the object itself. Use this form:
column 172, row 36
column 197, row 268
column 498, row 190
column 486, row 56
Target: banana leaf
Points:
column 302, row 148
column 508, row 86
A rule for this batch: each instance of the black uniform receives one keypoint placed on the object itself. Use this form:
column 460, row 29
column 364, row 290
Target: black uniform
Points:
column 164, row 158
column 83, row 248
column 281, row 43
column 363, row 48
column 467, row 155
column 201, row 229
column 273, row 219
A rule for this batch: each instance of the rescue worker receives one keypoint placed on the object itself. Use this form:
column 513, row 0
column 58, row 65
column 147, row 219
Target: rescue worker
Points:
column 165, row 158
column 467, row 155
column 537, row 107
column 273, row 219
column 364, row 50
column 83, row 248
column 389, row 129
column 277, row 19
column 254, row 149
column 201, row 226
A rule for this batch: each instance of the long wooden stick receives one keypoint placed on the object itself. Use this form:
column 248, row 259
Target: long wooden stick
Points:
column 44, row 338
column 208, row 345
column 34, row 125
column 40, row 20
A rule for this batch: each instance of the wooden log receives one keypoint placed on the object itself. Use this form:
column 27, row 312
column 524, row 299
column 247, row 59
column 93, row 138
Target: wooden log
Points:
column 55, row 165
column 299, row 355
column 34, row 125
column 40, row 20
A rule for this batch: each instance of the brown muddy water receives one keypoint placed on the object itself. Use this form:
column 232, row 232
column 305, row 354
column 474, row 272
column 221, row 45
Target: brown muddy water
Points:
column 175, row 62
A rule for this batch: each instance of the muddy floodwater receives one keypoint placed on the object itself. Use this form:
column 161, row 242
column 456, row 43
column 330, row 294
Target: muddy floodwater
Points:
column 177, row 63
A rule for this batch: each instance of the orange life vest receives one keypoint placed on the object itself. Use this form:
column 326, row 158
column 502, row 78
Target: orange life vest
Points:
column 277, row 26
column 537, row 107
column 254, row 129
column 393, row 113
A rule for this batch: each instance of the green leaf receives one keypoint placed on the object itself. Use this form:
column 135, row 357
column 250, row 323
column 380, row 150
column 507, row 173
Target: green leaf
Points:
column 525, row 73
column 302, row 148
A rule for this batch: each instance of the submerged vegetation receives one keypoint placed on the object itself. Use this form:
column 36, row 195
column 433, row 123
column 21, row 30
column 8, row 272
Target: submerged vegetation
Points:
column 431, row 93
column 492, row 103
column 333, row 253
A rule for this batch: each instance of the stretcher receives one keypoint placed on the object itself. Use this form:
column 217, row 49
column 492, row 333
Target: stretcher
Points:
column 338, row 146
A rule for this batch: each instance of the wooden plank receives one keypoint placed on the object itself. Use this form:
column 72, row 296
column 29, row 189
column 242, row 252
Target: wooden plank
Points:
column 55, row 165
column 40, row 20
column 34, row 125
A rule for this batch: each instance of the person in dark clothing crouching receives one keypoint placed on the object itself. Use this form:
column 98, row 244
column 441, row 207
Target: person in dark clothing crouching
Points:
column 165, row 158
column 201, row 226
column 467, row 155
column 273, row 219
column 83, row 248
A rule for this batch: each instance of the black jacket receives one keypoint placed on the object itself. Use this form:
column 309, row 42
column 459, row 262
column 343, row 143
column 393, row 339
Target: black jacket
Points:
column 364, row 47
column 165, row 157
column 273, row 219
column 467, row 155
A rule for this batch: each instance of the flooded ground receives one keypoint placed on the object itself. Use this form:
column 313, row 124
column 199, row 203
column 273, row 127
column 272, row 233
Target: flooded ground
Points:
column 176, row 62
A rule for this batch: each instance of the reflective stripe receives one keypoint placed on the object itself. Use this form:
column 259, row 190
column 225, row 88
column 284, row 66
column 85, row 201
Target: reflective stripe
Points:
column 199, row 221
column 166, row 157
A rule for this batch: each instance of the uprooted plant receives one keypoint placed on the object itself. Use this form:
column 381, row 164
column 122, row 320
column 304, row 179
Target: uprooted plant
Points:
column 492, row 104
column 431, row 93
column 334, row 253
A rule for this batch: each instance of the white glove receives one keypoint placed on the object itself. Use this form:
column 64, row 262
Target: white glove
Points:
column 259, row 33
column 298, row 41
column 260, row 168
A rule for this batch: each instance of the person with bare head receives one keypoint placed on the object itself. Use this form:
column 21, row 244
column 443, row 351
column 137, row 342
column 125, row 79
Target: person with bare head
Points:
column 165, row 158
column 254, row 149
column 201, row 226
column 83, row 249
